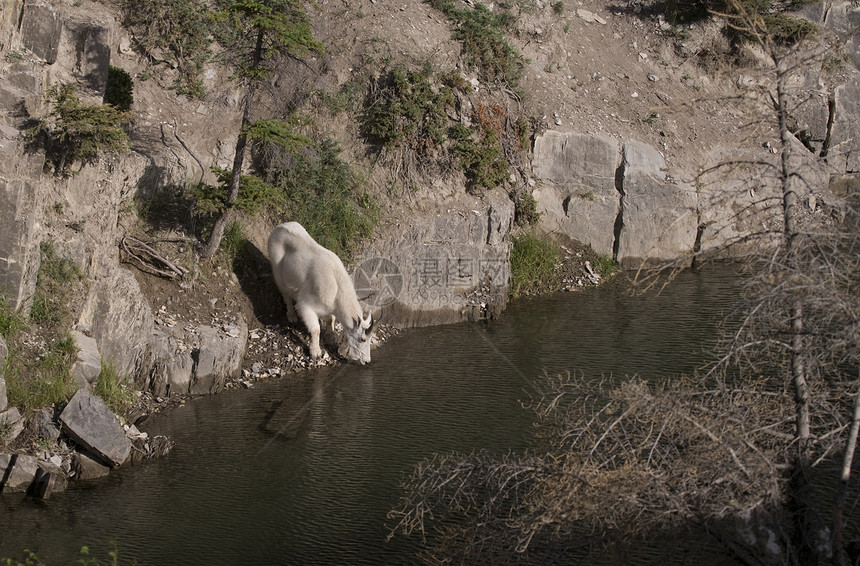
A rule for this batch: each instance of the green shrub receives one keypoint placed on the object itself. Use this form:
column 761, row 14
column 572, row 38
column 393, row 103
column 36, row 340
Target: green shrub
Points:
column 347, row 98
column 234, row 239
column 408, row 111
column 38, row 369
column 176, row 32
column 483, row 160
column 788, row 30
column 324, row 194
column 29, row 558
column 533, row 263
column 780, row 26
column 120, row 89
column 525, row 209
column 77, row 132
column 482, row 33
column 255, row 194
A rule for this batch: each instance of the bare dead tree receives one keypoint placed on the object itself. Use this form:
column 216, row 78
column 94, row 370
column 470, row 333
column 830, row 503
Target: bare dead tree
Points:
column 801, row 305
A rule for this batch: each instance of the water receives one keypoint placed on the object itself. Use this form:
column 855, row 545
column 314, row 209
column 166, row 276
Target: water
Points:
column 303, row 470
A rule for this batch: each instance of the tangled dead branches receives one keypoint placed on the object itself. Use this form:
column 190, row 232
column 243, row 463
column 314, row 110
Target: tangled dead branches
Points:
column 612, row 457
column 147, row 259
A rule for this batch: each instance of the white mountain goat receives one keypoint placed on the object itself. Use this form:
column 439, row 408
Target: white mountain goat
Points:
column 317, row 281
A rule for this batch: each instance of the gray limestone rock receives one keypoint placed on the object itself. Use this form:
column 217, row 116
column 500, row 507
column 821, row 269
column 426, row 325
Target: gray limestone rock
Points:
column 658, row 218
column 88, row 421
column 578, row 196
column 4, row 400
column 120, row 318
column 49, row 479
column 41, row 29
column 46, row 428
column 20, row 253
column 442, row 267
column 179, row 372
column 85, row 467
column 20, row 470
column 218, row 356
column 11, row 423
column 844, row 149
column 5, row 462
column 88, row 364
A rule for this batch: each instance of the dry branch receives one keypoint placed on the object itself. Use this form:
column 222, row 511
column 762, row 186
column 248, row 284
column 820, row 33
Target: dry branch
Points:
column 148, row 260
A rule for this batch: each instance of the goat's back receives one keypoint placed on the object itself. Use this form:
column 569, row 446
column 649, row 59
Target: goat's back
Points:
column 289, row 238
column 302, row 266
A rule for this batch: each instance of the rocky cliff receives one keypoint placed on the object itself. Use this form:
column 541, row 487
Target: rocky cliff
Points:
column 634, row 117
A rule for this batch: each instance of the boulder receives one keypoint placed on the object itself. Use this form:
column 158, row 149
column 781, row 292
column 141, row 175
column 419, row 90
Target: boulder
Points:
column 85, row 467
column 4, row 400
column 219, row 354
column 88, row 421
column 12, row 423
column 49, row 479
column 843, row 17
column 20, row 471
column 46, row 428
column 21, row 93
column 41, row 29
column 92, row 42
column 88, row 363
column 730, row 207
column 9, row 20
column 577, row 195
column 14, row 98
column 180, row 368
column 19, row 253
column 844, row 149
column 171, row 363
column 658, row 218
column 119, row 317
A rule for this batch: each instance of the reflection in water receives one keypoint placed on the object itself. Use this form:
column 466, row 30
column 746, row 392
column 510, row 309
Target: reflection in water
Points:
column 303, row 470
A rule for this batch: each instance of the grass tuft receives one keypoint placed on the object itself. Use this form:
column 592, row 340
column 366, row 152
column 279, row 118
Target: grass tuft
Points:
column 44, row 381
column 533, row 262
column 58, row 280
column 111, row 388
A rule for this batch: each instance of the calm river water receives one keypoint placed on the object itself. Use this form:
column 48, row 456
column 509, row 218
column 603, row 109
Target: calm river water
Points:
column 302, row 470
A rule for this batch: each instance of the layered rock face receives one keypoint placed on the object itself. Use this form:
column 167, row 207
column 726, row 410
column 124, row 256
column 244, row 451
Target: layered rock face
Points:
column 441, row 267
column 79, row 215
column 445, row 263
column 623, row 199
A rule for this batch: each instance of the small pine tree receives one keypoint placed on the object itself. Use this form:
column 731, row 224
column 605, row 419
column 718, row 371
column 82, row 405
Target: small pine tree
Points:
column 120, row 87
column 78, row 132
